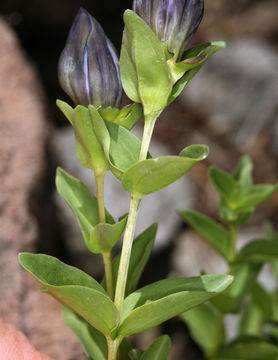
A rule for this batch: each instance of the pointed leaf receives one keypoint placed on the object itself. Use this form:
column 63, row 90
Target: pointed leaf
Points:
column 223, row 182
column 212, row 232
column 243, row 172
column 92, row 341
column 88, row 149
column 126, row 117
column 253, row 196
column 251, row 320
column 244, row 278
column 105, row 236
column 66, row 109
column 160, row 301
column 249, row 348
column 74, row 289
column 142, row 59
column 158, row 350
column 207, row 49
column 258, row 251
column 205, row 324
column 152, row 175
column 81, row 200
column 135, row 354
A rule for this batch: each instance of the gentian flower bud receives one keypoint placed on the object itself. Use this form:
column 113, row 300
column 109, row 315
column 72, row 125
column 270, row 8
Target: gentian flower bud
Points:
column 174, row 21
column 88, row 67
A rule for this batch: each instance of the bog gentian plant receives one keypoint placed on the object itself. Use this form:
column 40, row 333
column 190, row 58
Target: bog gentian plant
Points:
column 154, row 68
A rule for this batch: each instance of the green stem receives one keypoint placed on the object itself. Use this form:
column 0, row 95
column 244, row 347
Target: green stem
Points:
column 147, row 135
column 218, row 337
column 113, row 346
column 233, row 234
column 126, row 251
column 102, row 219
column 108, row 273
column 100, row 197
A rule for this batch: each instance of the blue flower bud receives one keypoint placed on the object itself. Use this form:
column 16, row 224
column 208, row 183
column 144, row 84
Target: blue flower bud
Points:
column 174, row 21
column 88, row 67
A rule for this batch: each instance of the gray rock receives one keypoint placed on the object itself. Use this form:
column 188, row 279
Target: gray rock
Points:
column 237, row 89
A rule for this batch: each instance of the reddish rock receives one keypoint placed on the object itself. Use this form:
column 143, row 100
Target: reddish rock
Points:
column 23, row 131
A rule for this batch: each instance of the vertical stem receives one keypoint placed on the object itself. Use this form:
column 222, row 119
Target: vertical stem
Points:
column 233, row 233
column 100, row 197
column 147, row 135
column 113, row 346
column 126, row 251
column 108, row 273
column 102, row 219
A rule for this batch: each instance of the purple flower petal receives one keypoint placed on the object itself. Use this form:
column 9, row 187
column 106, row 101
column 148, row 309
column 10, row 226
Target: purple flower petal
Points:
column 174, row 21
column 88, row 70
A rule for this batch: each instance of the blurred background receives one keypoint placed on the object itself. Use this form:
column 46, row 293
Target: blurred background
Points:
column 231, row 105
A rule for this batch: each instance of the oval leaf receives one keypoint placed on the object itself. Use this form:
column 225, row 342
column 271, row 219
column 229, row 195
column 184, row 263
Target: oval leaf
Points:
column 158, row 302
column 258, row 251
column 212, row 232
column 88, row 149
column 152, row 175
column 82, row 202
column 74, row 289
column 105, row 236
column 158, row 350
column 142, row 59
column 92, row 341
column 249, row 348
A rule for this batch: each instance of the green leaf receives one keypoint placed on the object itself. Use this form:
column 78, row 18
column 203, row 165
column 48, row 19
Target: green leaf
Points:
column 121, row 147
column 207, row 49
column 249, row 348
column 82, row 202
column 88, row 149
column 124, row 349
column 212, row 232
column 243, row 172
column 140, row 253
column 66, row 109
column 160, row 301
column 245, row 276
column 258, row 251
column 92, row 341
column 105, row 236
column 223, row 182
column 126, row 117
column 253, row 196
column 158, row 350
column 251, row 320
column 205, row 324
column 74, row 289
column 235, row 218
column 263, row 300
column 135, row 354
column 142, row 59
column 152, row 175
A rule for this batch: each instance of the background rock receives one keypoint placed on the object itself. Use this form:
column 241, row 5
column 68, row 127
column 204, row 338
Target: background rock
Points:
column 23, row 133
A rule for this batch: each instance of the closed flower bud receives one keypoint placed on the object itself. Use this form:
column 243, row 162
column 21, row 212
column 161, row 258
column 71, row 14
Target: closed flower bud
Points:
column 88, row 67
column 174, row 21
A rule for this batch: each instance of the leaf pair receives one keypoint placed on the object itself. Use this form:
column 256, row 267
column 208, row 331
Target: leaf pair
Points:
column 143, row 309
column 238, row 195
